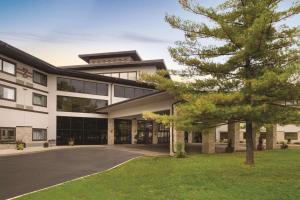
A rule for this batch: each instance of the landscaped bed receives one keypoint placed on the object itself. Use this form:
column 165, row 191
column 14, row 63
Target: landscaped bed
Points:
column 220, row 176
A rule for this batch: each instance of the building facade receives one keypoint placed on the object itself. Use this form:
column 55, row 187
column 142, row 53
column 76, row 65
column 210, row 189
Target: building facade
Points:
column 100, row 102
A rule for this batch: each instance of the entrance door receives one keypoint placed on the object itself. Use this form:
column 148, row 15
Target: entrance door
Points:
column 144, row 132
column 163, row 134
column 84, row 131
column 122, row 131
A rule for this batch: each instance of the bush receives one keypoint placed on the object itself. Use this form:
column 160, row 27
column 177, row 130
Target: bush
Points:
column 284, row 145
column 46, row 144
column 20, row 145
column 180, row 152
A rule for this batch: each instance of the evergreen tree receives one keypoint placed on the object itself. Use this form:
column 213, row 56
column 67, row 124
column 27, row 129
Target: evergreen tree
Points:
column 251, row 75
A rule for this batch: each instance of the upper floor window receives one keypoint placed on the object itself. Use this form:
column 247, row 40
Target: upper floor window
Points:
column 123, row 75
column 130, row 92
column 39, row 100
column 77, row 104
column 7, row 67
column 72, row 85
column 7, row 134
column 7, row 93
column 39, row 78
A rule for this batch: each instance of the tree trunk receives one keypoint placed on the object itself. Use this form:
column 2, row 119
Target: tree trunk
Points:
column 249, row 144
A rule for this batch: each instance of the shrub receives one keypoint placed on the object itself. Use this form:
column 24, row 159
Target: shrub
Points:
column 46, row 144
column 284, row 145
column 20, row 145
column 180, row 152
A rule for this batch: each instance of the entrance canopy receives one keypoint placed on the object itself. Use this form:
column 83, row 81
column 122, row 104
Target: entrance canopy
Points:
column 134, row 108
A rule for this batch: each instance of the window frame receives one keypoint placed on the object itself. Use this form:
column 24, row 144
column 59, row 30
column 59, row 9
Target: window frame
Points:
column 7, row 142
column 69, row 81
column 15, row 91
column 37, row 94
column 45, row 139
column 11, row 62
column 37, row 72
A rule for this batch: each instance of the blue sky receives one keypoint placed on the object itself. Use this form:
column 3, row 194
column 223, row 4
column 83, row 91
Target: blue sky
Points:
column 58, row 30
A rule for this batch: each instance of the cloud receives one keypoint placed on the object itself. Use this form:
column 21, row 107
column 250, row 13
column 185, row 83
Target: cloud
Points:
column 55, row 36
column 137, row 37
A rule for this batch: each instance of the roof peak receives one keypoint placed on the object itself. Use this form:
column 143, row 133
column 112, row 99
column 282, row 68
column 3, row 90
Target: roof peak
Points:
column 131, row 55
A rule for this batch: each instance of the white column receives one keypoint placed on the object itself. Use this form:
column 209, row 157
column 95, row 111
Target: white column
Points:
column 209, row 141
column 234, row 135
column 110, row 131
column 133, row 131
column 155, row 133
column 271, row 138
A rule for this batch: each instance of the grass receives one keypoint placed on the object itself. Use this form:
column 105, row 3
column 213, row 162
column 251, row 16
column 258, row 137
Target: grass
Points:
column 276, row 175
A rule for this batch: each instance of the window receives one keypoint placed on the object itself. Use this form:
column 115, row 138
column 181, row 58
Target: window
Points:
column 7, row 134
column 119, row 91
column 132, row 76
column 39, row 78
column 76, row 104
column 124, row 75
column 129, row 92
column 7, row 93
column 39, row 100
column 90, row 88
column 77, row 86
column 86, row 87
column 291, row 136
column 8, row 67
column 39, row 134
column 115, row 75
column 102, row 89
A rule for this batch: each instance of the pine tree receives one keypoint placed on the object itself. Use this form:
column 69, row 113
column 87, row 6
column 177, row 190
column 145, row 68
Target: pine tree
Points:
column 251, row 75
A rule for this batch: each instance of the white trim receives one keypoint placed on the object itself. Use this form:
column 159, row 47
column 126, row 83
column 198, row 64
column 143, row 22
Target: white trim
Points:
column 82, row 177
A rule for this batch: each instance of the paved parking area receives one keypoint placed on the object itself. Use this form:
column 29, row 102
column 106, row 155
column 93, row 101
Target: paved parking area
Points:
column 21, row 174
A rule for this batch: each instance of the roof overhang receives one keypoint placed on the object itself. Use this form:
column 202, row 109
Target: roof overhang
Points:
column 133, row 54
column 154, row 102
column 160, row 64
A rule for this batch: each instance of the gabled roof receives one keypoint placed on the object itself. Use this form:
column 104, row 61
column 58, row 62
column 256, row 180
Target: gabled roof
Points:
column 133, row 54
column 160, row 64
column 21, row 56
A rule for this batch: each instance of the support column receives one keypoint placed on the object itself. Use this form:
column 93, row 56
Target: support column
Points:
column 271, row 137
column 255, row 135
column 133, row 131
column 179, row 139
column 209, row 141
column 110, row 131
column 155, row 133
column 234, row 134
column 190, row 137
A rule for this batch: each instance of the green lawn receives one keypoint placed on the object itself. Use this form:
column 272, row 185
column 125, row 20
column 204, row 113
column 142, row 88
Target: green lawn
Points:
column 220, row 176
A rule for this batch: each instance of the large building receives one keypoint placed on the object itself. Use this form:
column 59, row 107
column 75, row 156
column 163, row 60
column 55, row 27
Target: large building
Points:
column 100, row 102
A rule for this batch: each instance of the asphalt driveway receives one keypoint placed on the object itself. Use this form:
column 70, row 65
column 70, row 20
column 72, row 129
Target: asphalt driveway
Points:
column 26, row 173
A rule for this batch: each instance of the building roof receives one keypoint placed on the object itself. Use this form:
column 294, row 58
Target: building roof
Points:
column 122, row 103
column 19, row 55
column 133, row 54
column 160, row 64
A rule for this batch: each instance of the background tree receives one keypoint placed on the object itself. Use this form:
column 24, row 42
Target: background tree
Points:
column 248, row 74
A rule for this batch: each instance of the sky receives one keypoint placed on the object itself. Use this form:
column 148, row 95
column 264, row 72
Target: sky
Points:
column 57, row 31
